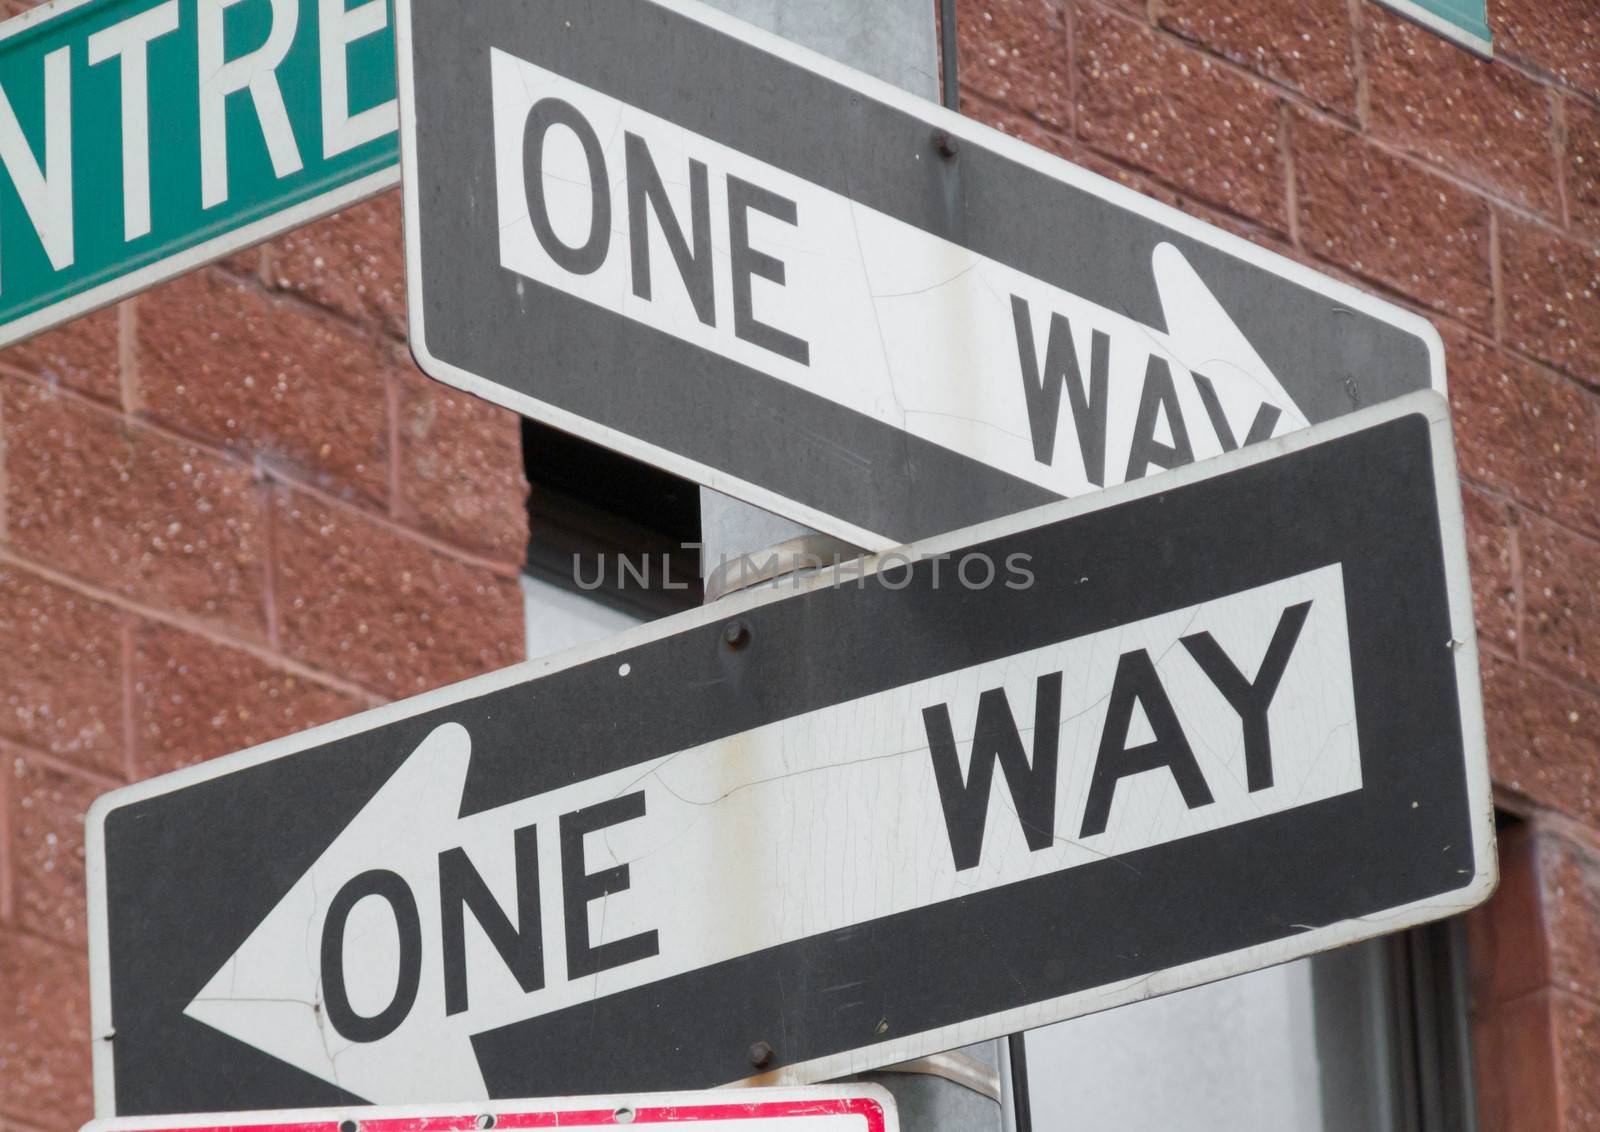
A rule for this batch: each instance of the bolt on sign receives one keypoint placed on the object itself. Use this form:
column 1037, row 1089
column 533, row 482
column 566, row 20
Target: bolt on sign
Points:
column 669, row 232
column 1114, row 747
column 832, row 1108
column 141, row 139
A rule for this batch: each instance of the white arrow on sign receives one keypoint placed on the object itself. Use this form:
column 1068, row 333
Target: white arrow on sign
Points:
column 418, row 928
column 669, row 228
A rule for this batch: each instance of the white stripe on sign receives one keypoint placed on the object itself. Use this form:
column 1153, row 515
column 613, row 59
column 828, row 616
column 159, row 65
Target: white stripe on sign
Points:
column 385, row 958
column 852, row 1107
column 651, row 221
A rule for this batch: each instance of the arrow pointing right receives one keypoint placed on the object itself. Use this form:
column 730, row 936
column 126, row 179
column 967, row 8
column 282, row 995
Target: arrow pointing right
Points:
column 892, row 320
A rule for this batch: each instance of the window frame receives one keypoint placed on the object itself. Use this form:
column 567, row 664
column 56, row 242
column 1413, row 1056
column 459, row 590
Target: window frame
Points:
column 1409, row 1032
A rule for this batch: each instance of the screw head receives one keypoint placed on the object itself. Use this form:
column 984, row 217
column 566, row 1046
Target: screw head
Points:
column 736, row 634
column 761, row 1054
column 947, row 146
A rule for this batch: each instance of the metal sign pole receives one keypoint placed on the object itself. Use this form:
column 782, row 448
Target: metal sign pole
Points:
column 744, row 546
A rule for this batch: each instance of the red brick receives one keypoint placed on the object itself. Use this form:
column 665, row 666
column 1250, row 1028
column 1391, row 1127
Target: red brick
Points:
column 1569, row 888
column 1305, row 46
column 1561, row 583
column 1019, row 126
column 81, row 354
column 195, row 699
column 1542, row 738
column 248, row 265
column 1542, row 928
column 363, row 600
column 1390, row 221
column 221, row 361
column 1530, row 434
column 1583, row 167
column 1483, row 120
column 44, row 1032
column 1506, row 934
column 1577, row 1032
column 1556, row 36
column 9, row 1125
column 1028, row 130
column 1165, row 194
column 105, row 499
column 1534, row 950
column 8, row 910
column 1014, row 53
column 353, row 263
column 461, row 475
column 1490, row 527
column 47, row 808
column 1552, row 297
column 1180, row 116
column 1514, row 1063
column 60, row 671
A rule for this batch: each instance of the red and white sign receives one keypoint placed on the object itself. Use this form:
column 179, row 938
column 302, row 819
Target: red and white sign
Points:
column 825, row 1108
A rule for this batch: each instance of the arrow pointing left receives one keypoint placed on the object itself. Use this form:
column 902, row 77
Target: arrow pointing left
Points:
column 418, row 931
column 271, row 993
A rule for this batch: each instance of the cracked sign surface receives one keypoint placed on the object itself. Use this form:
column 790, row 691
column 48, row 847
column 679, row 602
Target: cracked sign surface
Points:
column 1114, row 747
column 655, row 226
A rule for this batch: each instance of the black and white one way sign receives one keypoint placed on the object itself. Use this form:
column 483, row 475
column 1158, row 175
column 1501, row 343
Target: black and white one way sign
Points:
column 650, row 224
column 1111, row 748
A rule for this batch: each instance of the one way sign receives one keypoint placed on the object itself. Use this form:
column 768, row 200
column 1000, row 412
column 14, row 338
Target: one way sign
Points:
column 660, row 228
column 1172, row 732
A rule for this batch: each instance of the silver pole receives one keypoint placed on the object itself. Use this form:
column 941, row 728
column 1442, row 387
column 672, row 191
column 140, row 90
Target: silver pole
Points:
column 896, row 40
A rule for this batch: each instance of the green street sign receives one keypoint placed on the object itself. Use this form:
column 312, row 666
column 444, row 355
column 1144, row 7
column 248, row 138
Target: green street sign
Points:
column 142, row 138
column 1465, row 22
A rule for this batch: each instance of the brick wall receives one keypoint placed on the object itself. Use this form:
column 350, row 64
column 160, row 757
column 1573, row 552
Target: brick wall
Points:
column 1340, row 135
column 229, row 509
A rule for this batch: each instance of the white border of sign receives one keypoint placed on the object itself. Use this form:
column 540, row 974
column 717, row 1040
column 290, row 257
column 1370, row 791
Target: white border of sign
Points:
column 796, row 1101
column 1463, row 645
column 937, row 117
column 1439, row 25
column 190, row 259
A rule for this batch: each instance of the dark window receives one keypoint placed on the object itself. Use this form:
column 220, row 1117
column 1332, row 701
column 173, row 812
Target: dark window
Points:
column 618, row 531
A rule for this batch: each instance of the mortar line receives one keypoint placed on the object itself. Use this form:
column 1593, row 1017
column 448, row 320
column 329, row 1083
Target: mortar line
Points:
column 59, row 765
column 1497, row 284
column 391, row 398
column 1291, row 191
column 7, row 896
column 188, row 624
column 1311, row 106
column 1358, row 65
column 1519, row 614
column 1558, row 144
column 269, row 552
column 130, row 760
column 258, row 467
column 128, row 356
